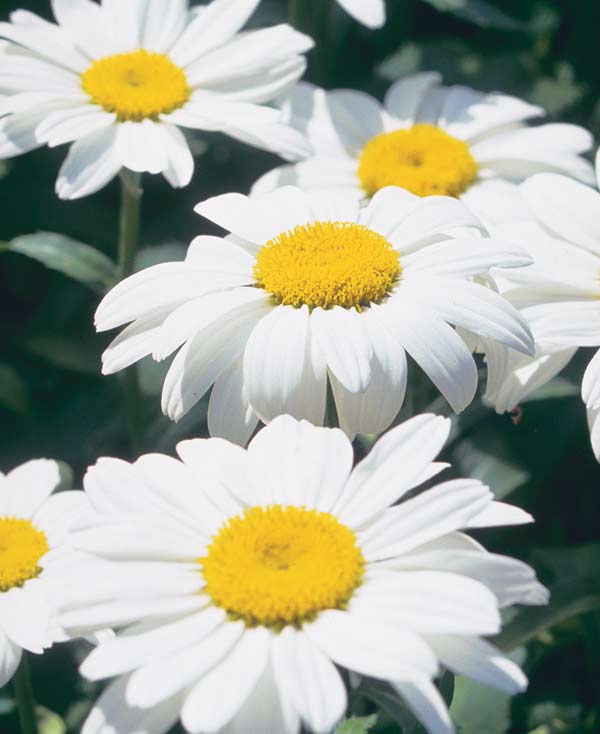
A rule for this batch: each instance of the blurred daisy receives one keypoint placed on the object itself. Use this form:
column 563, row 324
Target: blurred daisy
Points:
column 558, row 221
column 308, row 289
column 33, row 531
column 240, row 579
column 426, row 138
column 120, row 78
column 368, row 12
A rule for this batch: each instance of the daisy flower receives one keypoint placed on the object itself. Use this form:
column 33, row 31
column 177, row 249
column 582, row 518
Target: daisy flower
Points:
column 33, row 533
column 308, row 289
column 368, row 12
column 426, row 138
column 240, row 579
column 119, row 79
column 557, row 220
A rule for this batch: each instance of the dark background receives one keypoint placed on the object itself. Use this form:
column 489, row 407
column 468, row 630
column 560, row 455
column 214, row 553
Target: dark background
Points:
column 54, row 403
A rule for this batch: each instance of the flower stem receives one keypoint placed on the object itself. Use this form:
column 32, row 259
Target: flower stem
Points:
column 129, row 236
column 296, row 13
column 24, row 695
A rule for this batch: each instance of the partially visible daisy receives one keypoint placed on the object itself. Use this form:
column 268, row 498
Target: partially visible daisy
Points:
column 34, row 529
column 368, row 12
column 240, row 579
column 119, row 79
column 308, row 290
column 558, row 221
column 426, row 138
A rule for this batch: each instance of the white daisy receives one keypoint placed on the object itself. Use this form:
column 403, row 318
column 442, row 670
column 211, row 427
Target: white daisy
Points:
column 307, row 290
column 558, row 221
column 426, row 138
column 121, row 77
column 239, row 579
column 33, row 536
column 368, row 12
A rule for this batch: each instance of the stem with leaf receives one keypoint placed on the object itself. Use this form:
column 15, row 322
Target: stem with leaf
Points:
column 24, row 695
column 129, row 237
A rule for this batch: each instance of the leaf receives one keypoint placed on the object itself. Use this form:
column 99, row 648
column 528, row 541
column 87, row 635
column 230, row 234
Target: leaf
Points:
column 74, row 259
column 499, row 474
column 568, row 598
column 386, row 697
column 480, row 13
column 478, row 709
column 357, row 725
column 13, row 390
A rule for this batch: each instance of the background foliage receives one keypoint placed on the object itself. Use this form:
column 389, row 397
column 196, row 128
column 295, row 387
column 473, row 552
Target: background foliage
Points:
column 53, row 401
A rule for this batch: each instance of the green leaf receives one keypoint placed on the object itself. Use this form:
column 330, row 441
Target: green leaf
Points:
column 74, row 259
column 568, row 598
column 480, row 13
column 477, row 709
column 499, row 474
column 13, row 390
column 357, row 725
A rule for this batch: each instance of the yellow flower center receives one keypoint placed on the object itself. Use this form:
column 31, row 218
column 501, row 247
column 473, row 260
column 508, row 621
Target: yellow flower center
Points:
column 327, row 264
column 21, row 547
column 422, row 159
column 136, row 85
column 278, row 566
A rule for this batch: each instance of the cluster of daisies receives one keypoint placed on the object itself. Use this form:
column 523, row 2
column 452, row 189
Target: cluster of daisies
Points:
column 233, row 588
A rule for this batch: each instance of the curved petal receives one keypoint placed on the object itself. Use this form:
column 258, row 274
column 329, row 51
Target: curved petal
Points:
column 230, row 414
column 91, row 163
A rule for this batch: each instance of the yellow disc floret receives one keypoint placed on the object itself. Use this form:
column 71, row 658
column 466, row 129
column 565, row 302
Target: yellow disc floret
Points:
column 278, row 566
column 136, row 85
column 328, row 264
column 422, row 159
column 21, row 547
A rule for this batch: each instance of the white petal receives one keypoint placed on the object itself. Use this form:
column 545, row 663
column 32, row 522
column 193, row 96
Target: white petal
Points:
column 230, row 414
column 448, row 506
column 437, row 349
column 370, row 13
column 590, row 387
column 209, row 353
column 593, row 414
column 278, row 370
column 205, row 709
column 217, row 23
column 299, row 464
column 10, row 657
column 166, row 675
column 180, row 162
column 134, row 343
column 91, row 163
column 357, row 116
column 86, row 24
column 480, row 661
column 343, row 340
column 399, row 461
column 306, row 677
column 25, row 615
column 426, row 703
column 374, row 410
column 499, row 513
column 471, row 306
column 377, row 649
column 141, row 146
column 62, row 513
column 134, row 649
column 64, row 126
column 27, row 487
column 404, row 96
column 567, row 208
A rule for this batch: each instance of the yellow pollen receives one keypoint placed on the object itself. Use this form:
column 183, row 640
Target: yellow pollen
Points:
column 278, row 566
column 328, row 264
column 21, row 547
column 422, row 159
column 136, row 85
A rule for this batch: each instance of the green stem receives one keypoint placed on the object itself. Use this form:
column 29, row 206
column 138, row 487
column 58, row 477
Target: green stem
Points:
column 129, row 237
column 25, row 700
column 296, row 13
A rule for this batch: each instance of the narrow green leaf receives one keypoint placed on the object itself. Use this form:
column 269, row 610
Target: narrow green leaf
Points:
column 357, row 725
column 71, row 354
column 74, row 259
column 13, row 390
column 480, row 13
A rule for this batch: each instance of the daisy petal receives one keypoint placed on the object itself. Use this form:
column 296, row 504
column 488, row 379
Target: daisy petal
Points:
column 230, row 414
column 10, row 657
column 404, row 96
column 28, row 486
column 91, row 163
column 425, row 701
